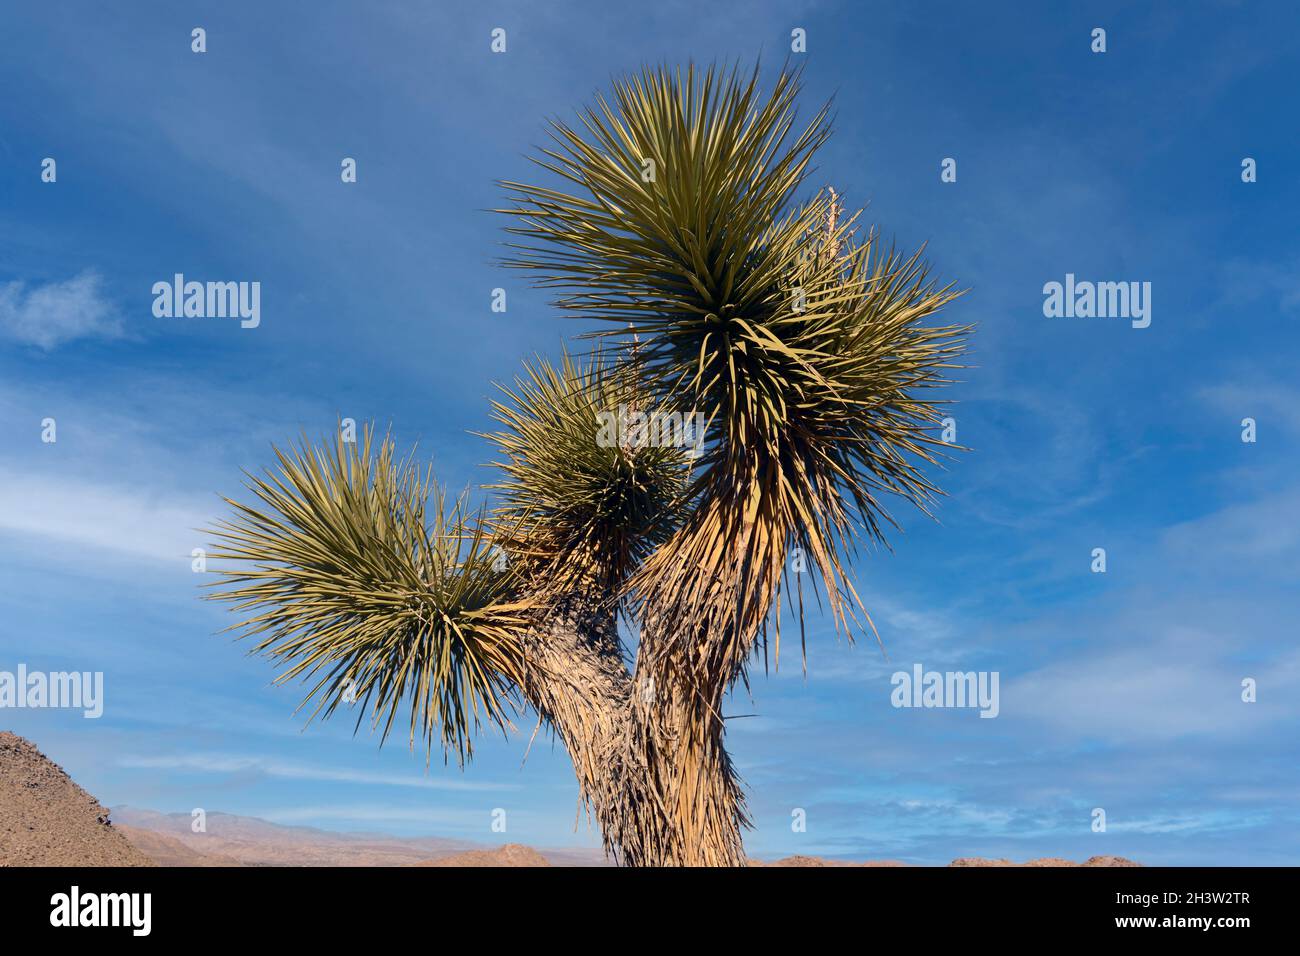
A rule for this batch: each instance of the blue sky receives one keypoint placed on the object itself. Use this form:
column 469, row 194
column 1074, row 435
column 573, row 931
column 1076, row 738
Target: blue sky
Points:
column 1118, row 690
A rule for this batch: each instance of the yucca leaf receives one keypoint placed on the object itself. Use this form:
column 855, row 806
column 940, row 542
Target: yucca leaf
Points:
column 353, row 569
column 809, row 351
column 581, row 503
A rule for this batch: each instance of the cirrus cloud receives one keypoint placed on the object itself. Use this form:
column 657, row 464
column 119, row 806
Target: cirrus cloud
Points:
column 52, row 314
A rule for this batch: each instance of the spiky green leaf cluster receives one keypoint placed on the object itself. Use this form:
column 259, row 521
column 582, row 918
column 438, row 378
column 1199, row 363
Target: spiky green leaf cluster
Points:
column 586, row 496
column 355, row 569
column 678, row 181
column 810, row 351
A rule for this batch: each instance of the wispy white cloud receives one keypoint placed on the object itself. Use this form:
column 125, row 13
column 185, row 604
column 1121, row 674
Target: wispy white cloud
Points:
column 1177, row 685
column 129, row 472
column 1268, row 402
column 1272, row 283
column 436, row 819
column 908, row 633
column 218, row 763
column 1200, row 823
column 52, row 314
column 140, row 523
column 1260, row 536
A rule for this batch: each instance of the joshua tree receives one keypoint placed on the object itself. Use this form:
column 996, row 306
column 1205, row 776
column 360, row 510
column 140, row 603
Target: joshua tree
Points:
column 806, row 350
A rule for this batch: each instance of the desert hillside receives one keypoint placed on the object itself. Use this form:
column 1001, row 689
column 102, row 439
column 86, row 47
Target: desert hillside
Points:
column 512, row 854
column 166, row 850
column 47, row 820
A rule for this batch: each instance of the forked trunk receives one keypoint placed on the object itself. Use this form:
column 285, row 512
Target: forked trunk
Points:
column 648, row 754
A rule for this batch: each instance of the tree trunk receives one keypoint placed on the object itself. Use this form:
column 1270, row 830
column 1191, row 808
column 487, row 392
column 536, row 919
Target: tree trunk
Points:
column 648, row 753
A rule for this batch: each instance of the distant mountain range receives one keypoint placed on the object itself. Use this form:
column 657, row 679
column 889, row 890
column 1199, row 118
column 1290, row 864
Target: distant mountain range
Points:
column 230, row 840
